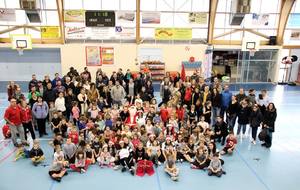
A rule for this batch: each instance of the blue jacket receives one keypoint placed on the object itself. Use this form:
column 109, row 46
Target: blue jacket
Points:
column 226, row 98
column 40, row 111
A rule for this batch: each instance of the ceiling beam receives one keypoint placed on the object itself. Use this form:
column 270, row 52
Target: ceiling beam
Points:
column 213, row 5
column 18, row 27
column 286, row 7
column 35, row 41
column 60, row 12
column 138, row 22
column 242, row 29
column 235, row 42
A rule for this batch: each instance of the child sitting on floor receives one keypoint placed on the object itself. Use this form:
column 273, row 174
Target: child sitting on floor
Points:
column 36, row 153
column 170, row 167
column 230, row 144
column 80, row 163
column 105, row 158
column 21, row 152
column 57, row 170
column 215, row 166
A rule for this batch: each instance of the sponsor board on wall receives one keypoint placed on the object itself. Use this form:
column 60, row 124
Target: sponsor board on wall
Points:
column 151, row 18
column 173, row 33
column 124, row 33
column 50, row 32
column 75, row 32
column 125, row 17
column 295, row 35
column 74, row 15
column 198, row 18
column 100, row 33
column 260, row 19
column 8, row 15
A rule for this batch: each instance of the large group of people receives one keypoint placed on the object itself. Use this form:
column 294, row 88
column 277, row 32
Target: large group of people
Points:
column 118, row 122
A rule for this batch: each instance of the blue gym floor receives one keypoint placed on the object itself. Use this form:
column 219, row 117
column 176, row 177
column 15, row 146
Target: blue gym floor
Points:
column 251, row 167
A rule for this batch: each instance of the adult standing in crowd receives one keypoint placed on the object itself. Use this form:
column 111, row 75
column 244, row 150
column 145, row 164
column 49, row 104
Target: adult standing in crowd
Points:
column 11, row 90
column 118, row 93
column 269, row 123
column 49, row 94
column 40, row 110
column 13, row 118
column 226, row 99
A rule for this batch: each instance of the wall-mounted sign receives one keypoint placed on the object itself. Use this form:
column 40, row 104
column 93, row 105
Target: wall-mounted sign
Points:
column 107, row 55
column 93, row 56
column 8, row 15
column 50, row 32
column 198, row 18
column 74, row 15
column 75, row 32
column 173, row 33
column 100, row 19
column 151, row 18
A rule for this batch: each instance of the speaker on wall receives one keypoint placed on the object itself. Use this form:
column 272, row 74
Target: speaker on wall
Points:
column 272, row 40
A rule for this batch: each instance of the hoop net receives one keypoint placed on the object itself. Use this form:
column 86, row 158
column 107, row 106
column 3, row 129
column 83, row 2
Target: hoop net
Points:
column 252, row 52
column 20, row 51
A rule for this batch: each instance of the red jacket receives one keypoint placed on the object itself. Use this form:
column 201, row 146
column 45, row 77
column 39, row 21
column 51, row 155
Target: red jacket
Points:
column 180, row 114
column 6, row 131
column 13, row 114
column 26, row 115
column 164, row 114
column 74, row 136
column 188, row 94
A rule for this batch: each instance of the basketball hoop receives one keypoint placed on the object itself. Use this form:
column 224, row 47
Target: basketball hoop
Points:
column 20, row 51
column 252, row 52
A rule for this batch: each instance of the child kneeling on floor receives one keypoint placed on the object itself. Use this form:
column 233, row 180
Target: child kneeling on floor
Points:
column 215, row 166
column 36, row 153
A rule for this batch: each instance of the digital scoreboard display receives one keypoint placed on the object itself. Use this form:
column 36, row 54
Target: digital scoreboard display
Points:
column 100, row 19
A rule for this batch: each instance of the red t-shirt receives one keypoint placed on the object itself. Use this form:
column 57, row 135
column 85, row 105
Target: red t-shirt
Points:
column 180, row 114
column 74, row 136
column 13, row 114
column 26, row 115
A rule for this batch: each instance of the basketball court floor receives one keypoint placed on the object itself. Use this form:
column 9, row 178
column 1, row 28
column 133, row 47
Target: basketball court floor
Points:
column 251, row 167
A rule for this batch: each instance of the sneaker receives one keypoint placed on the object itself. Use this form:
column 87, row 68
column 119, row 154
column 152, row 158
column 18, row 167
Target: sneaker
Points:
column 123, row 169
column 82, row 171
column 66, row 173
column 132, row 171
column 116, row 167
column 159, row 163
column 174, row 178
column 253, row 142
column 263, row 144
column 224, row 172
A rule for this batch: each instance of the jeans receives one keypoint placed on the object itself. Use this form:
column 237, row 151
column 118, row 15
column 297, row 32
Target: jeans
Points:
column 269, row 142
column 231, row 121
column 17, row 129
column 41, row 126
column 28, row 126
column 244, row 128
column 254, row 132
column 215, row 112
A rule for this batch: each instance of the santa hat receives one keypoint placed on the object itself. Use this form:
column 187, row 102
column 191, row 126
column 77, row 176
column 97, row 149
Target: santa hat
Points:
column 121, row 141
column 168, row 138
column 105, row 146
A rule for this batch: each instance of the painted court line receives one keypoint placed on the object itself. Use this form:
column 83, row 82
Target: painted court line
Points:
column 157, row 179
column 253, row 171
column 8, row 155
column 4, row 146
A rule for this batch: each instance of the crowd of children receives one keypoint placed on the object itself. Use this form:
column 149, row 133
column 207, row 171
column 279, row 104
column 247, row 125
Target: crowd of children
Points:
column 117, row 122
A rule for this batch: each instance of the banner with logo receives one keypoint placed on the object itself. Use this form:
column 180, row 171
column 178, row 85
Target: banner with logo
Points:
column 93, row 56
column 260, row 19
column 74, row 15
column 50, row 32
column 173, row 33
column 75, row 32
column 8, row 15
column 125, row 17
column 295, row 35
column 198, row 18
column 100, row 33
column 124, row 33
column 107, row 54
column 151, row 18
